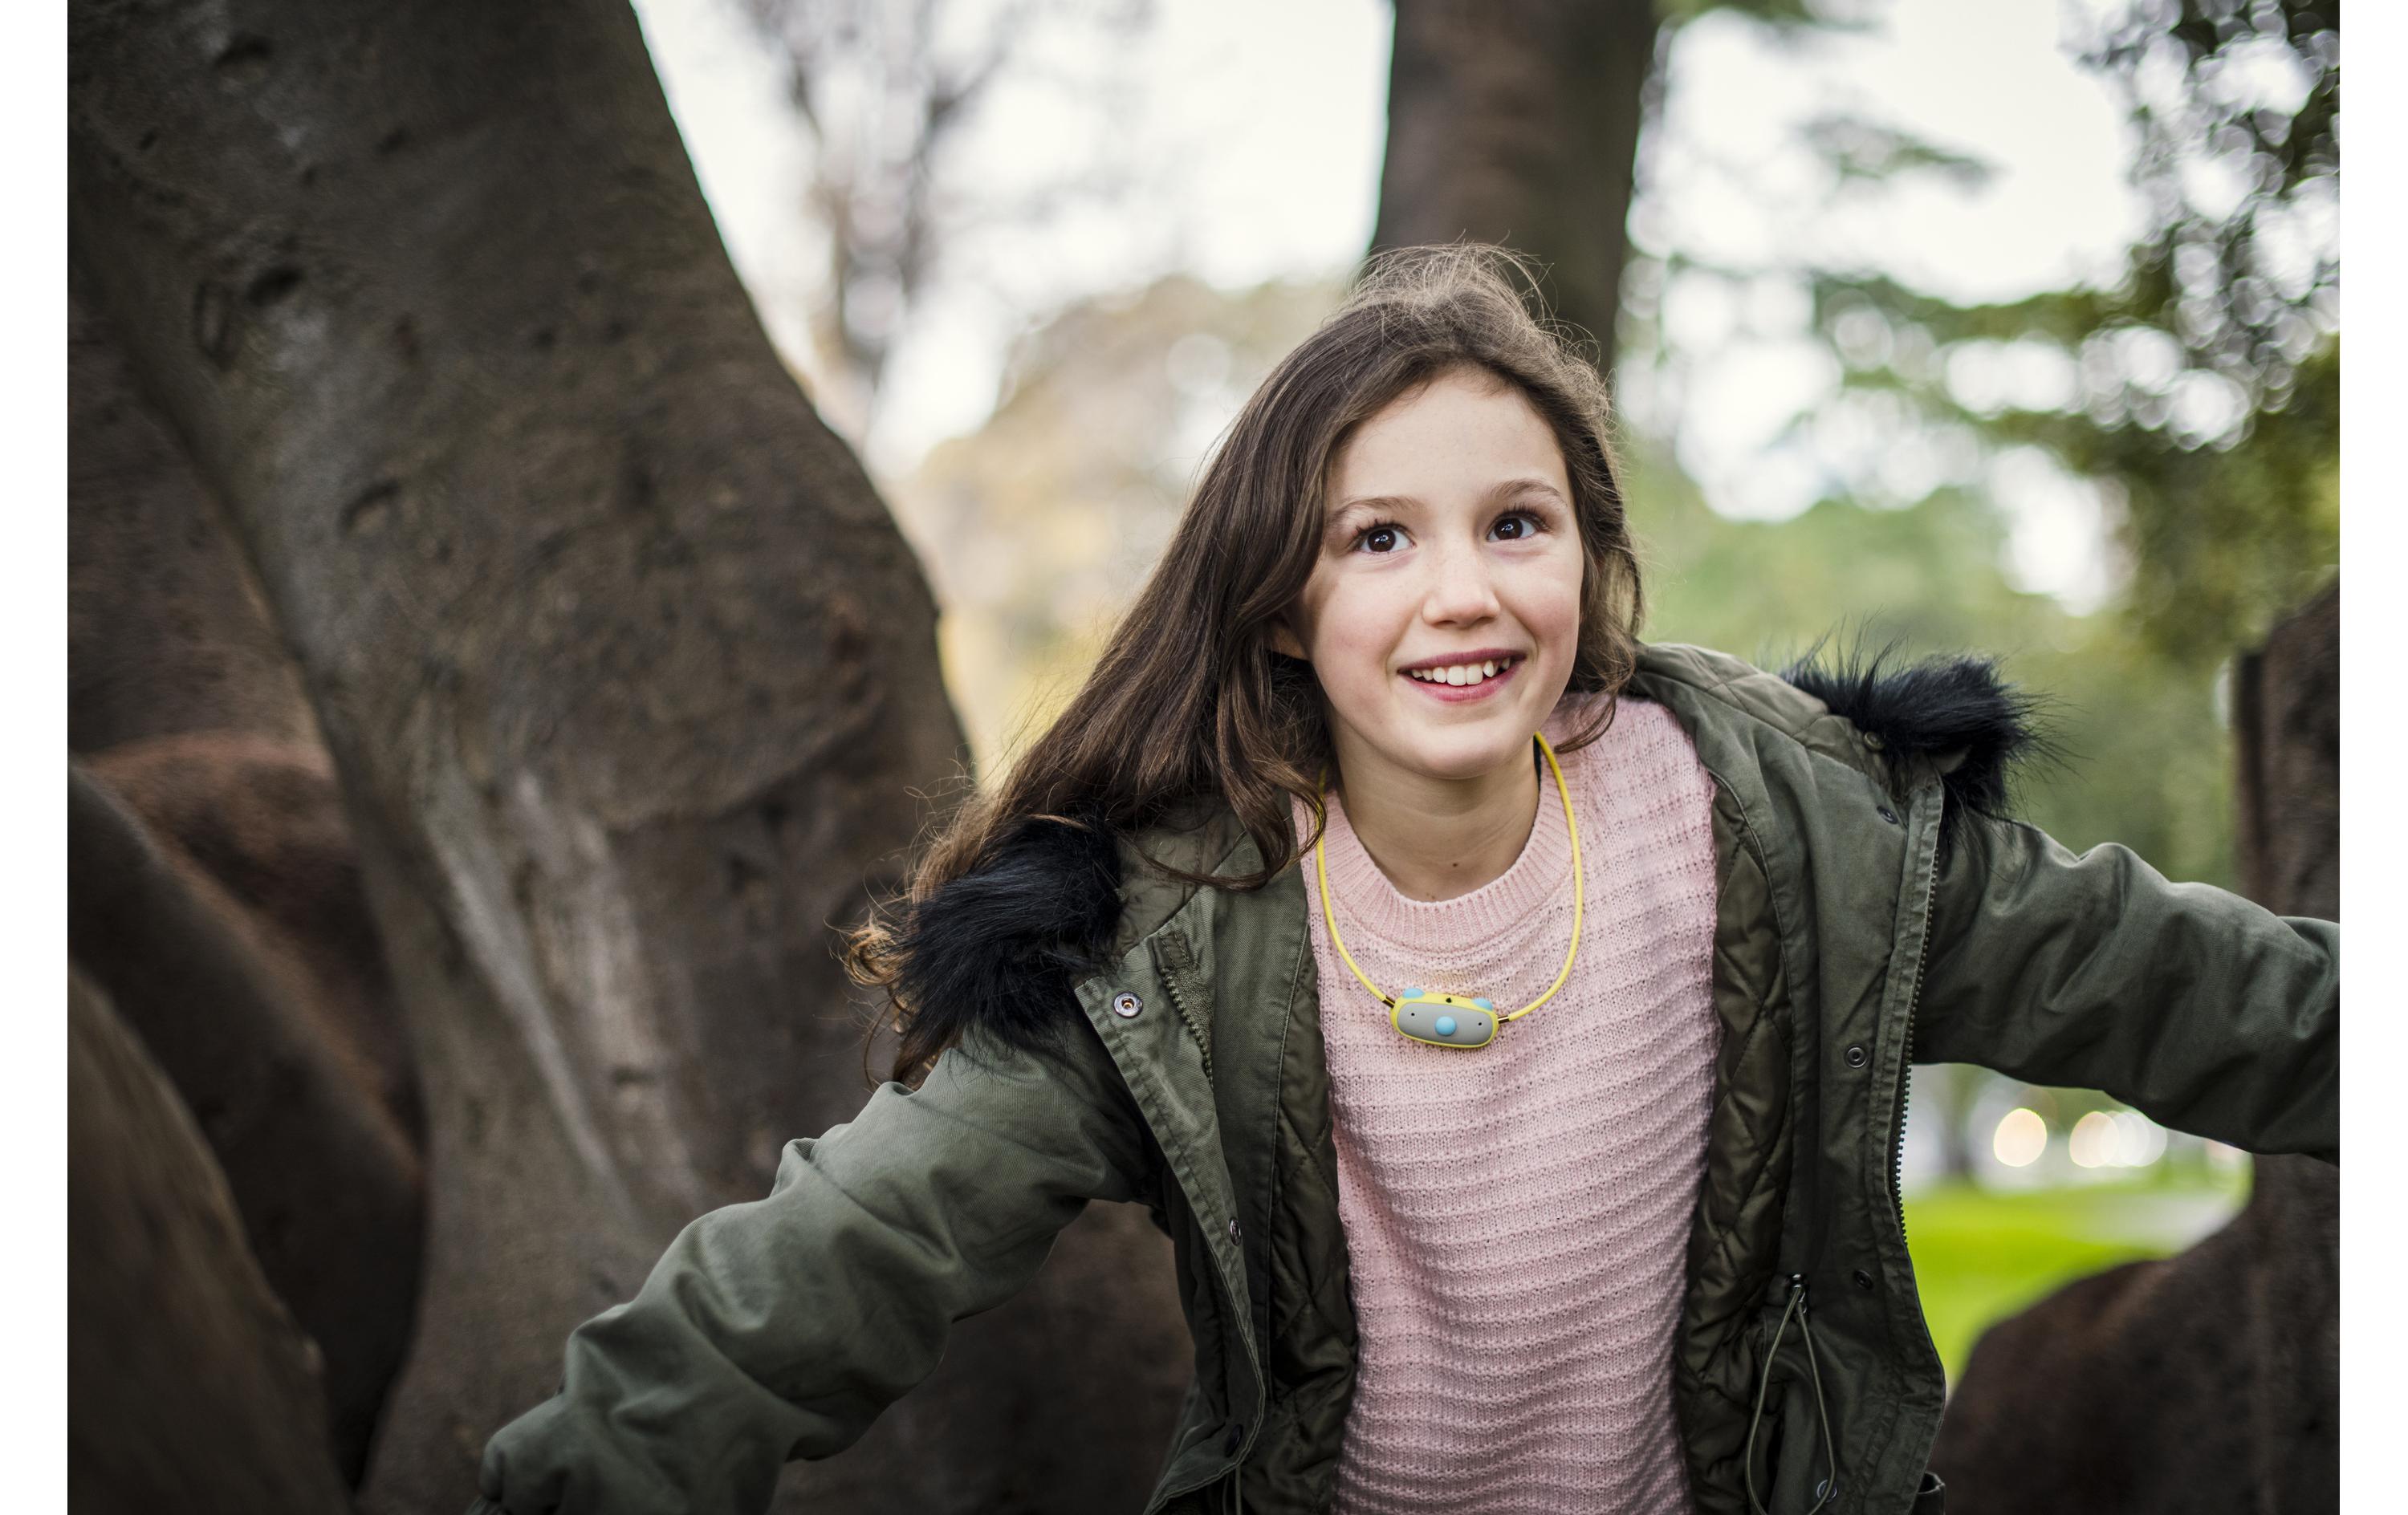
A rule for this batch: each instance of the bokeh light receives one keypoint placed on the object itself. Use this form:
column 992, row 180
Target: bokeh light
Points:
column 2093, row 1142
column 2139, row 1140
column 2021, row 1138
column 2117, row 1139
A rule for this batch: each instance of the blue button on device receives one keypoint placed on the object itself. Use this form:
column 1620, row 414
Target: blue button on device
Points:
column 1445, row 1025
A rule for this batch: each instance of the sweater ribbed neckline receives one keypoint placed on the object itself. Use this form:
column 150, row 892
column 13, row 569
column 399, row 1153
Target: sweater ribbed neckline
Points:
column 1502, row 911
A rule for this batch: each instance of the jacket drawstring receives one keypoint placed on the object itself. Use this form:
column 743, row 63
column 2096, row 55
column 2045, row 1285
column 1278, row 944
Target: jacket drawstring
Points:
column 1796, row 1307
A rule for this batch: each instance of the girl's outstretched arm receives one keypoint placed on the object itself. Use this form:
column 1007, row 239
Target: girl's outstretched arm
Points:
column 779, row 1329
column 2207, row 1012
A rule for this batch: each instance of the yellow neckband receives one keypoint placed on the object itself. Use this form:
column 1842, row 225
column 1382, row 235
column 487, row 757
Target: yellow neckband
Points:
column 1321, row 867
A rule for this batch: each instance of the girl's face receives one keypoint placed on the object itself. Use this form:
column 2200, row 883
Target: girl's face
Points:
column 1443, row 612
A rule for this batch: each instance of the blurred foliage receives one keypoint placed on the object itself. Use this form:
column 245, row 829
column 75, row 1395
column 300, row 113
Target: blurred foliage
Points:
column 1980, row 1255
column 2204, row 390
column 1038, row 528
column 2141, row 737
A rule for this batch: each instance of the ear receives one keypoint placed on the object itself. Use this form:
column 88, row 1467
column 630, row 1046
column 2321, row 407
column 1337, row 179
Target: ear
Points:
column 1285, row 643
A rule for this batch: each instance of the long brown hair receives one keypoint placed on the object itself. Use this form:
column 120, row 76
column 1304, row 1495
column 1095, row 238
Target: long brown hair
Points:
column 1189, row 700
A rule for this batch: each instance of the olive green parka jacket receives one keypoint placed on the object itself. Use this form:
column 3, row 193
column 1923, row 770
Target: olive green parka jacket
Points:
column 1874, row 908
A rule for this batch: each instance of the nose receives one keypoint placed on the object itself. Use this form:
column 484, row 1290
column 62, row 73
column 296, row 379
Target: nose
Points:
column 1461, row 591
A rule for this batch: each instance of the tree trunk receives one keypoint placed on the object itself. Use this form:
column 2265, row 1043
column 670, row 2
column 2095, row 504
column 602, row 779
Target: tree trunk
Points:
column 2287, row 740
column 2286, row 749
column 2095, row 1399
column 189, row 1388
column 1517, row 122
column 270, row 1034
column 213, row 891
column 629, row 677
column 166, row 631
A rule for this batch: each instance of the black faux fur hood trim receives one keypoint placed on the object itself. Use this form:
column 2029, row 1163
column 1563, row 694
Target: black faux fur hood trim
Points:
column 1935, row 708
column 1001, row 947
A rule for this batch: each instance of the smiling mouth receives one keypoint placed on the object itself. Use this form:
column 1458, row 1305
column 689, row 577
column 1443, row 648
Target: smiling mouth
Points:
column 1465, row 675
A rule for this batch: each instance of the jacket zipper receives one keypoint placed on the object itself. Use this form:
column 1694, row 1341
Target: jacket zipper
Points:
column 1906, row 1051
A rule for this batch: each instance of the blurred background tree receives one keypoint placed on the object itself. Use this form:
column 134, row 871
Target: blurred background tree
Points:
column 884, row 90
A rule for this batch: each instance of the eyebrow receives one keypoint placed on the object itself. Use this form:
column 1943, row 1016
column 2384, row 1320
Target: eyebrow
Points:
column 1495, row 495
column 1511, row 487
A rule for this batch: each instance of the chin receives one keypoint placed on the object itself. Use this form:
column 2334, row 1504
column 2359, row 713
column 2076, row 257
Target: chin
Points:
column 1468, row 755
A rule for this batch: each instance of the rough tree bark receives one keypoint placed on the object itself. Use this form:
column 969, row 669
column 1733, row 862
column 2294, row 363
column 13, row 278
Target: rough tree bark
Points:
column 189, row 1388
column 166, row 633
column 628, row 676
column 2209, row 1381
column 1517, row 122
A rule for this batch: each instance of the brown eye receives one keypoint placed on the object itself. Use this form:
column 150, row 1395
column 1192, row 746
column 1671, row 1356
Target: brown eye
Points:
column 1381, row 539
column 1516, row 527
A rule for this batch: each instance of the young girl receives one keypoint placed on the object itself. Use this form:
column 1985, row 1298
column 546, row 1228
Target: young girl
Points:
column 1508, row 1020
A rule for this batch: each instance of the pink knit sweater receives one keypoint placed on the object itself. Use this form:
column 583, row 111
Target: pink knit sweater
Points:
column 1518, row 1216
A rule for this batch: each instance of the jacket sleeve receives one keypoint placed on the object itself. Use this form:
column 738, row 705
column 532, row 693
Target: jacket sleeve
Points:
column 2205, row 1011
column 781, row 1328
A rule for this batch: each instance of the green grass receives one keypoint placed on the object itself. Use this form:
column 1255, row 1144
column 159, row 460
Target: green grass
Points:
column 1981, row 1255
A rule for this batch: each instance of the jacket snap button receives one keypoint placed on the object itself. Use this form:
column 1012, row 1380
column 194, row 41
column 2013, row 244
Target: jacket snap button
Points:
column 1127, row 1005
column 1862, row 1278
column 1237, row 1232
column 1856, row 1056
column 1229, row 1442
column 1889, row 814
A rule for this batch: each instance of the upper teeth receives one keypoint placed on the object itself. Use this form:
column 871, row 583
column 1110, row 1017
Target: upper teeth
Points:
column 1462, row 673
